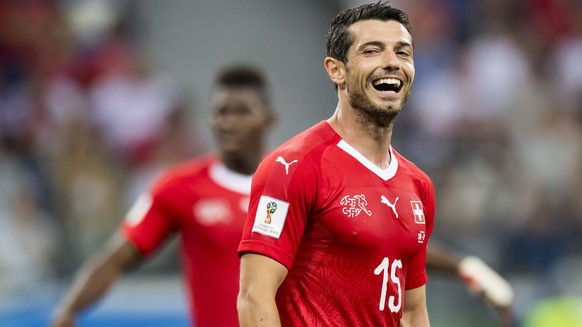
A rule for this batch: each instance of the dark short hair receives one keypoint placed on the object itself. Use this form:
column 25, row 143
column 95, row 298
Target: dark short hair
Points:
column 243, row 75
column 339, row 39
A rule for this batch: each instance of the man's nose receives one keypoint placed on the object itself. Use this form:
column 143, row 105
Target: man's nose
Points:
column 226, row 121
column 391, row 60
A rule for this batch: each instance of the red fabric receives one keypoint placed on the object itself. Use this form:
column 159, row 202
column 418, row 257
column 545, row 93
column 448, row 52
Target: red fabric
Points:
column 337, row 232
column 209, row 219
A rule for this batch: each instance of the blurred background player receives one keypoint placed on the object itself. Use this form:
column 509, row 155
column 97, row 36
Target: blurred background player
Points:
column 204, row 201
column 481, row 280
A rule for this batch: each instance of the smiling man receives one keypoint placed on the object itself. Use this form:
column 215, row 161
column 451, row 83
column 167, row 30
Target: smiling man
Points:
column 339, row 221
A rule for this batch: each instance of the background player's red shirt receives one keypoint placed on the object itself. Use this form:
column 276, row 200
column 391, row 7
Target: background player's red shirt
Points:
column 353, row 236
column 206, row 204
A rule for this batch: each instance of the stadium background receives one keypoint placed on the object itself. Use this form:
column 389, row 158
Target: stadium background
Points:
column 494, row 118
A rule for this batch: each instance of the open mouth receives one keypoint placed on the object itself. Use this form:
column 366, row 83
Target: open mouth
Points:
column 388, row 85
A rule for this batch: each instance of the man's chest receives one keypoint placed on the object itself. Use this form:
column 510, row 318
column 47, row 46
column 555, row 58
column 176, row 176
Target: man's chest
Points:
column 212, row 214
column 374, row 215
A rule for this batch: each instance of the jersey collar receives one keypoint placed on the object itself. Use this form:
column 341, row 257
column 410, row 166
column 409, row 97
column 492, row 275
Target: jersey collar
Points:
column 230, row 179
column 384, row 174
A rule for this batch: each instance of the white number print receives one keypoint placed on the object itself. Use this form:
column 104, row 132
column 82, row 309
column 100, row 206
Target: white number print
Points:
column 383, row 268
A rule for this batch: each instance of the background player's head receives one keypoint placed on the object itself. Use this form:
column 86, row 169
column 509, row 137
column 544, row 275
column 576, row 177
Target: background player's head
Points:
column 241, row 111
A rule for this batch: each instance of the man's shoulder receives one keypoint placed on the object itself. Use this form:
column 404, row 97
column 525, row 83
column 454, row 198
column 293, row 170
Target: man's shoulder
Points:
column 317, row 136
column 411, row 167
column 186, row 171
column 301, row 153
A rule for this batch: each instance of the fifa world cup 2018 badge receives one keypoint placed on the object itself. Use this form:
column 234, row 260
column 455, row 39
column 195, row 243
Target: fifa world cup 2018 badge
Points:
column 271, row 208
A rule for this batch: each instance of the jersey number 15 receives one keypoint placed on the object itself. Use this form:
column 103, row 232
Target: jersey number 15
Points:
column 383, row 268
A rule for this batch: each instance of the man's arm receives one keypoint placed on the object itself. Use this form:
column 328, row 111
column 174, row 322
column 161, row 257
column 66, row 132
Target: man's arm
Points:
column 415, row 313
column 260, row 278
column 479, row 277
column 95, row 278
column 442, row 259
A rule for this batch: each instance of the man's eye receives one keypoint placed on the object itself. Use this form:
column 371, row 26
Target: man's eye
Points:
column 242, row 111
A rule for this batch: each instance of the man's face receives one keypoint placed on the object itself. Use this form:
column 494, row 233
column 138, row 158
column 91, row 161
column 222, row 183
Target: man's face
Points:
column 239, row 120
column 380, row 69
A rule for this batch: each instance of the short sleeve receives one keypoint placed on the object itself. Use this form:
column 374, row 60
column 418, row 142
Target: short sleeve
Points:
column 282, row 196
column 148, row 223
column 416, row 275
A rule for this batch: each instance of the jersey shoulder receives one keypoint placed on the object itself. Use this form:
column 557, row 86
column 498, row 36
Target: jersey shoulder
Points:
column 185, row 172
column 412, row 168
column 311, row 143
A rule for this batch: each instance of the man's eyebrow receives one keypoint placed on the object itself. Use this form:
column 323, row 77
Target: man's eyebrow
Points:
column 402, row 44
column 399, row 44
column 372, row 43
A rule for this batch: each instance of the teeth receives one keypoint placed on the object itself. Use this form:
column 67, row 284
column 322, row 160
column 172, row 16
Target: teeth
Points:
column 387, row 81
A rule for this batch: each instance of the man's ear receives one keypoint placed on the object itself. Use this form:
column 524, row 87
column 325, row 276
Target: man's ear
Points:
column 335, row 70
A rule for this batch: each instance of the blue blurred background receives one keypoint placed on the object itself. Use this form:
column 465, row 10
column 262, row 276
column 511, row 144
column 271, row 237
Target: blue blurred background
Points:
column 97, row 96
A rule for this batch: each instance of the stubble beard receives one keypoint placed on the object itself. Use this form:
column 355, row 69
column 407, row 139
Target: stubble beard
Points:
column 372, row 115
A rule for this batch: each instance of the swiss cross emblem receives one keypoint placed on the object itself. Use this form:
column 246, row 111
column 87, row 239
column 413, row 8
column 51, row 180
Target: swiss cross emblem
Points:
column 418, row 212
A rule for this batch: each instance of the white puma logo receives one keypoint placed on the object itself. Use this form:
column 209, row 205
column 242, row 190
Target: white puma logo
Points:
column 391, row 205
column 281, row 160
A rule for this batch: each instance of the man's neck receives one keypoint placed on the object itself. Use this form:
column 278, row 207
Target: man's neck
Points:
column 246, row 166
column 370, row 140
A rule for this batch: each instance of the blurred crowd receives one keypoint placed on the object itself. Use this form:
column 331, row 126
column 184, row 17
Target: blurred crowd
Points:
column 495, row 118
column 85, row 123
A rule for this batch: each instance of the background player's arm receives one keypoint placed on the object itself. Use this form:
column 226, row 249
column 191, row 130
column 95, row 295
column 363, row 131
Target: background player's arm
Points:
column 442, row 259
column 260, row 278
column 479, row 277
column 95, row 278
column 415, row 313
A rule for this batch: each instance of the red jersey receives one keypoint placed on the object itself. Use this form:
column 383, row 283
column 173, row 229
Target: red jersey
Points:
column 353, row 236
column 206, row 204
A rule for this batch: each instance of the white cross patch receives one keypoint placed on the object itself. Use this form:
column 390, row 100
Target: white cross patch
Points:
column 418, row 212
